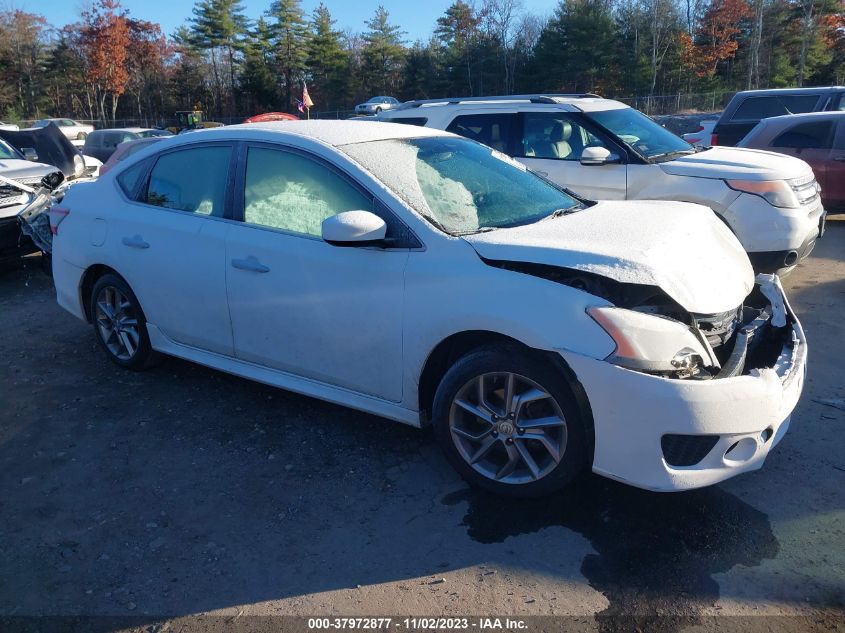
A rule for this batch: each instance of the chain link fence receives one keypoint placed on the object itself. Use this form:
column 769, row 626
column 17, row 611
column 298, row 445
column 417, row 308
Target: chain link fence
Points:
column 655, row 105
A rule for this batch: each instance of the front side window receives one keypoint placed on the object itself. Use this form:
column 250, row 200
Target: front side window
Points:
column 288, row 191
column 493, row 130
column 553, row 135
column 806, row 135
column 192, row 180
column 646, row 137
column 459, row 186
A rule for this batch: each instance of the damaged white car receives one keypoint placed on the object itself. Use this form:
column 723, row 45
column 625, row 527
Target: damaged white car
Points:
column 426, row 278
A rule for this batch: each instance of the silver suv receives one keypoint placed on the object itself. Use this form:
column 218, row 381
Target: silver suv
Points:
column 605, row 150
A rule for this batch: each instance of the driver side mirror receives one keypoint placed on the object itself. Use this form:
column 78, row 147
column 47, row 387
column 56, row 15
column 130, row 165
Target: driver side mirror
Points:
column 598, row 156
column 354, row 228
column 29, row 153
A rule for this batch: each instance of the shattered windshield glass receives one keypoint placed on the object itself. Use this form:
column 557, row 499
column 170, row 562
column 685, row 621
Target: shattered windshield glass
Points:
column 459, row 185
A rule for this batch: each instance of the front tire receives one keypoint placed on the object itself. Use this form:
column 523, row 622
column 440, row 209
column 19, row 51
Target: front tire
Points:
column 119, row 324
column 508, row 421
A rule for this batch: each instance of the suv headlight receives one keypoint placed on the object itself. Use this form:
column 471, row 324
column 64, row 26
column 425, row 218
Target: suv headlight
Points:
column 78, row 165
column 648, row 342
column 776, row 192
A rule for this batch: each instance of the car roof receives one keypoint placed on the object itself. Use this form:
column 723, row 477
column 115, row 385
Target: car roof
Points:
column 585, row 102
column 788, row 119
column 334, row 133
column 781, row 91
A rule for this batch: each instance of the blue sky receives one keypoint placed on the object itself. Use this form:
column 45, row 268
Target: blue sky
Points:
column 416, row 17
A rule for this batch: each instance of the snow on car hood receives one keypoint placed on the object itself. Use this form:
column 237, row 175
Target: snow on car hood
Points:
column 682, row 248
column 738, row 163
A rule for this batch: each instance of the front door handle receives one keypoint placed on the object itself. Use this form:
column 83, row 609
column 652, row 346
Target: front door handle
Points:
column 251, row 264
column 136, row 241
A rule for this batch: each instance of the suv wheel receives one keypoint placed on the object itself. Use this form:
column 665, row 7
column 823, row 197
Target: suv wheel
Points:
column 509, row 422
column 119, row 323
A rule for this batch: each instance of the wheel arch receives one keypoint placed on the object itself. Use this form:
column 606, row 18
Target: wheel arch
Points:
column 447, row 351
column 86, row 286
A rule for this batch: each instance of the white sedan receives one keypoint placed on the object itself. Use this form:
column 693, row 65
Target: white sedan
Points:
column 73, row 130
column 428, row 279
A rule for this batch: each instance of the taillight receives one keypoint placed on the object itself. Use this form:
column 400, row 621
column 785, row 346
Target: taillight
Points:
column 714, row 139
column 57, row 215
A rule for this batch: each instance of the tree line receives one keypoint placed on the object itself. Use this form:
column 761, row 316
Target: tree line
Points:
column 111, row 64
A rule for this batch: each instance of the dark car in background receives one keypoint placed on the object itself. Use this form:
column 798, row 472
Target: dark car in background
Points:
column 127, row 149
column 817, row 138
column 102, row 144
column 746, row 109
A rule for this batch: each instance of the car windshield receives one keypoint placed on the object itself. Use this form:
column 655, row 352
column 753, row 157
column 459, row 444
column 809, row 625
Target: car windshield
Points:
column 7, row 152
column 642, row 134
column 459, row 185
column 42, row 123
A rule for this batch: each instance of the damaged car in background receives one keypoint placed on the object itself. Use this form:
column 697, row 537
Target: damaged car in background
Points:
column 36, row 167
column 429, row 279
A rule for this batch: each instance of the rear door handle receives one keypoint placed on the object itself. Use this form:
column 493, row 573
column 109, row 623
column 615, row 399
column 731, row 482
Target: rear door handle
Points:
column 136, row 241
column 251, row 264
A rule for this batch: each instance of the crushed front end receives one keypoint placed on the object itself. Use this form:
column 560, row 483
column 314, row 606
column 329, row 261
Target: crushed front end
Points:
column 713, row 409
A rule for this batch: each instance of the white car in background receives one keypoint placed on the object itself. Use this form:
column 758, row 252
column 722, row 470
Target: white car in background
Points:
column 703, row 136
column 376, row 105
column 9, row 126
column 428, row 279
column 606, row 150
column 73, row 130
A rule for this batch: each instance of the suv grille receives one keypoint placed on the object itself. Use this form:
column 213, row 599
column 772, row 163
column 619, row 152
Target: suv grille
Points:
column 806, row 189
column 9, row 194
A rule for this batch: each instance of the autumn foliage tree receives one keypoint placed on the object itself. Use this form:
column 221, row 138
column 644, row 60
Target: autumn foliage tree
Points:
column 106, row 40
column 716, row 39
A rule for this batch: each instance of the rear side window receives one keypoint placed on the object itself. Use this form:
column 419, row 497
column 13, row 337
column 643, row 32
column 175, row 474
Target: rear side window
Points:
column 756, row 108
column 418, row 120
column 493, row 130
column 192, row 180
column 806, row 135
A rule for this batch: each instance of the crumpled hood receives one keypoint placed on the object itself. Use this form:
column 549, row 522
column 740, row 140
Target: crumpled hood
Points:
column 737, row 163
column 18, row 169
column 682, row 248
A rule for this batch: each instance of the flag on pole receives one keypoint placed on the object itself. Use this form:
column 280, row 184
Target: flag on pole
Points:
column 306, row 98
column 300, row 106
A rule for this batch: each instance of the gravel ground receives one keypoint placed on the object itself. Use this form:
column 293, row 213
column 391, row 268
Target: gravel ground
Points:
column 184, row 491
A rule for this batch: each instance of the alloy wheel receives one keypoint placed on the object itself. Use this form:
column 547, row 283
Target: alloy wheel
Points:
column 508, row 428
column 117, row 323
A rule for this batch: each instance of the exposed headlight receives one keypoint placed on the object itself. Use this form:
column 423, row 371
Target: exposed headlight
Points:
column 775, row 192
column 648, row 342
column 78, row 165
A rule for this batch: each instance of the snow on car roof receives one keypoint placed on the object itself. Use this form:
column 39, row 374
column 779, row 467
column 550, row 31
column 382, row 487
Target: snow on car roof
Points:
column 334, row 133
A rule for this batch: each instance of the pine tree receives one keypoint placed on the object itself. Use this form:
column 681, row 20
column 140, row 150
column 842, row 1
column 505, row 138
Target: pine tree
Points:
column 290, row 38
column 383, row 53
column 258, row 82
column 328, row 62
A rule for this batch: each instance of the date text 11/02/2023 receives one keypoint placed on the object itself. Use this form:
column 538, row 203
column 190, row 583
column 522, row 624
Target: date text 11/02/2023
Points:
column 418, row 623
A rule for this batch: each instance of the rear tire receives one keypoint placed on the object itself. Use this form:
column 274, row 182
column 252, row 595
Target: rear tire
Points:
column 508, row 422
column 120, row 325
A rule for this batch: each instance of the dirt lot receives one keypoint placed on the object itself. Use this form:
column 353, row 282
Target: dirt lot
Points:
column 185, row 491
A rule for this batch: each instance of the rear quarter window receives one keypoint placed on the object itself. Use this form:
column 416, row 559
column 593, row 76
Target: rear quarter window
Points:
column 816, row 134
column 756, row 108
column 130, row 179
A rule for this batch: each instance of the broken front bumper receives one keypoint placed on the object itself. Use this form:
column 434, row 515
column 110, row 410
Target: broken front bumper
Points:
column 668, row 434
